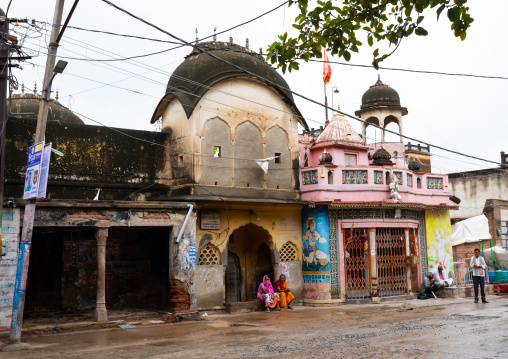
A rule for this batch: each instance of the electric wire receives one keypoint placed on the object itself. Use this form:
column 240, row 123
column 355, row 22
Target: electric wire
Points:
column 283, row 88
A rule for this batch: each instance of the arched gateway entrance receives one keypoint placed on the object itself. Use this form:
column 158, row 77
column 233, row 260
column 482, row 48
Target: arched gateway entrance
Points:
column 249, row 259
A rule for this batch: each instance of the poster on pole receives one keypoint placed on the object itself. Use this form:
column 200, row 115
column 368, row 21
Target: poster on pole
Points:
column 46, row 159
column 33, row 166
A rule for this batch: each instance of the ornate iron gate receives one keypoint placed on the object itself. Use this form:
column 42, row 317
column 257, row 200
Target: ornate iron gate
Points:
column 357, row 265
column 391, row 262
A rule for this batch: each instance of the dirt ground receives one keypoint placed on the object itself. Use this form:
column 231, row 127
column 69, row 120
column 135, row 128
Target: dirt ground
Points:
column 441, row 328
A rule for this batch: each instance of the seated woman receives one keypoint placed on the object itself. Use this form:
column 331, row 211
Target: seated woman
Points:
column 282, row 290
column 267, row 295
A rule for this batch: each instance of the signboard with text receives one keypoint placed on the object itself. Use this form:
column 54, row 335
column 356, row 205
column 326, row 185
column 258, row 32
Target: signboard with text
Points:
column 33, row 168
column 210, row 220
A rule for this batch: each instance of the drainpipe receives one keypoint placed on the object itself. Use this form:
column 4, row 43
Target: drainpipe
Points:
column 191, row 207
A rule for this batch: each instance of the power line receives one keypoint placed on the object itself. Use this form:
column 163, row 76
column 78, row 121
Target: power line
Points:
column 283, row 88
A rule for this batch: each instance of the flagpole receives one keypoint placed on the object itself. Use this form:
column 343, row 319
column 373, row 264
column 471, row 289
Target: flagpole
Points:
column 326, row 104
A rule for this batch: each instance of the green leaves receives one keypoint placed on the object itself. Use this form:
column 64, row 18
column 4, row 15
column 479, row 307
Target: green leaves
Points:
column 336, row 28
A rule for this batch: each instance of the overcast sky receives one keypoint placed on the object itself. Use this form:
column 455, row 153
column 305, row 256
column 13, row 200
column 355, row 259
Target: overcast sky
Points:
column 461, row 113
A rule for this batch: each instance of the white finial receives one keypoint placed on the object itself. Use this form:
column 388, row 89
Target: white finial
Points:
column 214, row 35
column 261, row 51
column 56, row 98
column 247, row 43
column 35, row 88
column 23, row 87
column 197, row 35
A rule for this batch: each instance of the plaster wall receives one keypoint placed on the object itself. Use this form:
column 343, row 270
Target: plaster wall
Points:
column 210, row 286
column 8, row 264
column 294, row 278
column 474, row 190
column 338, row 155
column 243, row 235
column 249, row 123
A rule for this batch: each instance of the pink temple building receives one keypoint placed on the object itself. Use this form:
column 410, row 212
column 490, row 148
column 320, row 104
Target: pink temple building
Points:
column 360, row 239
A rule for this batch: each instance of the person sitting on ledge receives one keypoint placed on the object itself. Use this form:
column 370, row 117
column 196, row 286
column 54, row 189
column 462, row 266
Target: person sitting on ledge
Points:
column 267, row 295
column 441, row 277
column 282, row 290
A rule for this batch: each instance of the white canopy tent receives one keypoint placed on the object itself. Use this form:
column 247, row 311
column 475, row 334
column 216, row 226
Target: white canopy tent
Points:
column 470, row 230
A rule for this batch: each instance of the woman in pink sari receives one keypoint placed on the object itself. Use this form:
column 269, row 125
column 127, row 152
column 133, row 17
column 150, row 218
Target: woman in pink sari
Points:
column 267, row 295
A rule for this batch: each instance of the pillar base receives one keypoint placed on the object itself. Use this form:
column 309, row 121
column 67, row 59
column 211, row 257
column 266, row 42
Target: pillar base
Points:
column 101, row 315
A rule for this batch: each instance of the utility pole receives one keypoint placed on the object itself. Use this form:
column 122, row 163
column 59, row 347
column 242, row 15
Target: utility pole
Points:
column 28, row 219
column 4, row 69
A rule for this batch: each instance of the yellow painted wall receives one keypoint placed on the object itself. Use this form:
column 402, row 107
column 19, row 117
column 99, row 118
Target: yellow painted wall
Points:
column 439, row 235
column 277, row 225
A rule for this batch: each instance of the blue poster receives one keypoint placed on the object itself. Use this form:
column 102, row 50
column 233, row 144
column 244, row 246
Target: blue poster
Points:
column 33, row 167
column 316, row 243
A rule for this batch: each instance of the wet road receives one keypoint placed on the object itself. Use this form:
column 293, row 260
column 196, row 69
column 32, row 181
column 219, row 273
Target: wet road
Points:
column 459, row 330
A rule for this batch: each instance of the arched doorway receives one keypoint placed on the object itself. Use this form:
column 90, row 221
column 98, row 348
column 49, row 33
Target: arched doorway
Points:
column 233, row 279
column 252, row 246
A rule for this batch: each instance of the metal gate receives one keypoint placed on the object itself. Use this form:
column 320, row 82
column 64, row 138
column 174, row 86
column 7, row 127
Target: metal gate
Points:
column 391, row 262
column 357, row 264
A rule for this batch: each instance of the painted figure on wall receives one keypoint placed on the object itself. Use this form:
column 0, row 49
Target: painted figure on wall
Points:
column 315, row 241
column 439, row 246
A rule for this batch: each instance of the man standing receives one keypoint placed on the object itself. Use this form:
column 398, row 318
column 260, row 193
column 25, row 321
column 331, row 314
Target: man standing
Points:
column 478, row 267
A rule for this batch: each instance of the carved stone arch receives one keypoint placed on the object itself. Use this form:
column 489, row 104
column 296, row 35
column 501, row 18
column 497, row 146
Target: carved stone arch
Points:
column 220, row 117
column 235, row 127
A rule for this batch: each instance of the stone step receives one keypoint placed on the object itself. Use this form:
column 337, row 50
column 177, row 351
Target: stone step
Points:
column 244, row 307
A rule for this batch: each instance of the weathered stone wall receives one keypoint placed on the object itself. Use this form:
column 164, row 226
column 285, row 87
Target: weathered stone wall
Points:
column 94, row 157
column 210, row 286
column 8, row 264
column 294, row 278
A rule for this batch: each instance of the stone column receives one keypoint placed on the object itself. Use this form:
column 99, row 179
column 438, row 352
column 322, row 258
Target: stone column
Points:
column 373, row 260
column 408, row 252
column 342, row 266
column 101, row 314
column 364, row 133
column 400, row 130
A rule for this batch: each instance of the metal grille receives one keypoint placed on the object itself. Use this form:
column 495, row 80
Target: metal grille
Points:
column 288, row 253
column 357, row 264
column 209, row 255
column 391, row 262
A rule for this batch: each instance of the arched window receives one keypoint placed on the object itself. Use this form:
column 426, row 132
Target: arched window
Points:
column 418, row 182
column 288, row 252
column 209, row 255
column 330, row 177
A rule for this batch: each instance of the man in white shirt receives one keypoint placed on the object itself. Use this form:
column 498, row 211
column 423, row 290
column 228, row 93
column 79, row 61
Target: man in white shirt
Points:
column 441, row 277
column 478, row 267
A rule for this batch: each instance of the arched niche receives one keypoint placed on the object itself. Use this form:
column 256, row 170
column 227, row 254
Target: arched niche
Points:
column 248, row 147
column 217, row 154
column 280, row 170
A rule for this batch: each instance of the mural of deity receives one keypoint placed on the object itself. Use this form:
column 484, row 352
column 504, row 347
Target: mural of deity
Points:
column 315, row 242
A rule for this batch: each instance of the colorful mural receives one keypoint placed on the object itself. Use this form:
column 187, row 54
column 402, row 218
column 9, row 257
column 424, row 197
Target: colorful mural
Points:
column 316, row 247
column 439, row 247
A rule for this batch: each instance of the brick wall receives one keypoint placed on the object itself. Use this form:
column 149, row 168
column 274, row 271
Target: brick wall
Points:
column 464, row 251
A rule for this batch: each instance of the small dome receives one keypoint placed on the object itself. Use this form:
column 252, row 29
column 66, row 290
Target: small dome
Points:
column 380, row 95
column 340, row 131
column 381, row 157
column 26, row 105
column 325, row 158
column 414, row 165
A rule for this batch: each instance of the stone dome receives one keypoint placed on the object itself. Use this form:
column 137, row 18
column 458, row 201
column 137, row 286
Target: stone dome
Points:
column 26, row 105
column 381, row 157
column 380, row 95
column 339, row 131
column 325, row 158
column 199, row 72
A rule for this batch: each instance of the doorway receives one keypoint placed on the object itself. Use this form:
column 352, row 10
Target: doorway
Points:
column 251, row 256
column 357, row 264
column 233, row 279
column 391, row 262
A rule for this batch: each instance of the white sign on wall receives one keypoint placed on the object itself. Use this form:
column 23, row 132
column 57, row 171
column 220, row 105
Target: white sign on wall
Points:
column 210, row 220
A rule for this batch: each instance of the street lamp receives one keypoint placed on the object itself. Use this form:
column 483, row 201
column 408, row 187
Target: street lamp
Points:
column 59, row 68
column 334, row 91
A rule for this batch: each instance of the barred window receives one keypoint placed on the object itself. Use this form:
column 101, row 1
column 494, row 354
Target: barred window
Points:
column 288, row 252
column 209, row 255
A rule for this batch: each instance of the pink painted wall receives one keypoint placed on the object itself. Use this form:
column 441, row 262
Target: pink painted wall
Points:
column 396, row 149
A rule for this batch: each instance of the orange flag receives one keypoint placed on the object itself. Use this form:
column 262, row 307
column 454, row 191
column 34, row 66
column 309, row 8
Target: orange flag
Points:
column 327, row 69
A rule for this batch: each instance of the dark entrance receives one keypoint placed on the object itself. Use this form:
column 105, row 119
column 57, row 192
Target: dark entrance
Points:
column 63, row 269
column 233, row 279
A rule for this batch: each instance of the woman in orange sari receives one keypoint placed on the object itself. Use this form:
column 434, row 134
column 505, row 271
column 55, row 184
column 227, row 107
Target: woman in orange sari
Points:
column 285, row 295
